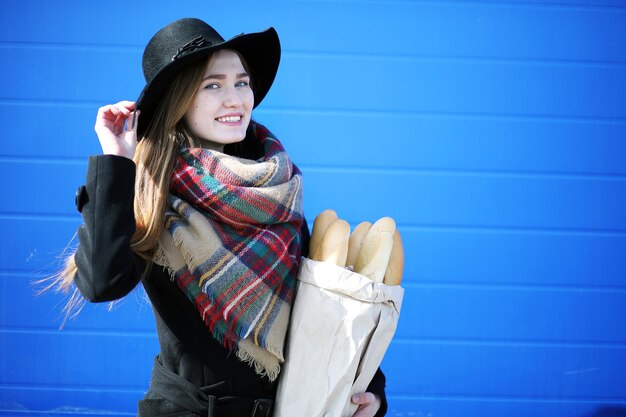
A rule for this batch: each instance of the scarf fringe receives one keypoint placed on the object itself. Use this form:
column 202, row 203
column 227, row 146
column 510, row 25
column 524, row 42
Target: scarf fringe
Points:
column 160, row 259
column 262, row 369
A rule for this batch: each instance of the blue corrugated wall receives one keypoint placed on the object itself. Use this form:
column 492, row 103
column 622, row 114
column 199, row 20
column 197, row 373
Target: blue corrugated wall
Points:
column 493, row 132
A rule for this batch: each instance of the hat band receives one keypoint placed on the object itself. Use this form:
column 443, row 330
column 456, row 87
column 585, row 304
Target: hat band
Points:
column 197, row 43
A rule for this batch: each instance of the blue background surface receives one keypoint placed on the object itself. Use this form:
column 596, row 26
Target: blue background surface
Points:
column 493, row 132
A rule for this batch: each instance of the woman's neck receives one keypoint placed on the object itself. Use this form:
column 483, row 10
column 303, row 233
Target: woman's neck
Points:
column 217, row 147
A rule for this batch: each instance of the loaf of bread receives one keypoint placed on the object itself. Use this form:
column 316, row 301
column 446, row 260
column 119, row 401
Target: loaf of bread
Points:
column 321, row 223
column 373, row 257
column 356, row 241
column 334, row 246
column 395, row 267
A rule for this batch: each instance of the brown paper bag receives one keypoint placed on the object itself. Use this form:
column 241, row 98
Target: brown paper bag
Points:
column 340, row 327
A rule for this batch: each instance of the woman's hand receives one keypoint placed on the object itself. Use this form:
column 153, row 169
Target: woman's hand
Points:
column 114, row 130
column 368, row 404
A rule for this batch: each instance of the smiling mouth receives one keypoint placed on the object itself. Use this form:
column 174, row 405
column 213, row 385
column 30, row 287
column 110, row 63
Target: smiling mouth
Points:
column 229, row 119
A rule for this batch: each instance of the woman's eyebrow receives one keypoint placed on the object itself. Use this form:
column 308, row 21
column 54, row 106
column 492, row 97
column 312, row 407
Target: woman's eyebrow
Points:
column 223, row 76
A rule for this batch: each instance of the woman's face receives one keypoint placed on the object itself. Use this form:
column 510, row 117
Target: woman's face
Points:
column 220, row 111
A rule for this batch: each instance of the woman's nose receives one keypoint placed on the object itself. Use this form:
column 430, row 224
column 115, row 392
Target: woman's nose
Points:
column 232, row 98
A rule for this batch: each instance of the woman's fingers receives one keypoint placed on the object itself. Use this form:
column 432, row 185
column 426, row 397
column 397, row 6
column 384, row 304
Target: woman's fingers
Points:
column 130, row 134
column 368, row 404
column 122, row 114
column 114, row 130
column 109, row 118
column 125, row 104
column 123, row 108
column 115, row 114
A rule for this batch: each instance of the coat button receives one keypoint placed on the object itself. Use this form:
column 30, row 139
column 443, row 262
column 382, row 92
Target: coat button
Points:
column 261, row 410
column 81, row 198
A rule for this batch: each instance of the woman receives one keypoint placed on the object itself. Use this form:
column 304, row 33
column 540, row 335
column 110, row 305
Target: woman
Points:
column 205, row 210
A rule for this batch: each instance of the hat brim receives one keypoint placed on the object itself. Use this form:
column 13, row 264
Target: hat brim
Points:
column 260, row 50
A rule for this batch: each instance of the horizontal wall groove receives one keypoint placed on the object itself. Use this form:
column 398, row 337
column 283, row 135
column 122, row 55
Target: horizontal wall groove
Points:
column 26, row 274
column 73, row 46
column 38, row 276
column 140, row 334
column 88, row 104
column 473, row 3
column 117, row 389
column 41, row 273
column 356, row 169
column 516, row 287
column 488, row 342
column 420, row 285
column 444, row 285
column 413, row 227
column 496, row 398
column 52, row 217
column 68, row 412
column 509, row 230
column 442, row 115
column 363, row 169
column 458, row 59
column 56, row 160
column 292, row 53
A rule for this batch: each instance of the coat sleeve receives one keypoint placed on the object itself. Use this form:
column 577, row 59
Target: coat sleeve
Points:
column 377, row 386
column 107, row 267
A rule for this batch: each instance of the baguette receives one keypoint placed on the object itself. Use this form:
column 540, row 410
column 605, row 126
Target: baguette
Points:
column 395, row 268
column 376, row 249
column 334, row 246
column 322, row 221
column 356, row 241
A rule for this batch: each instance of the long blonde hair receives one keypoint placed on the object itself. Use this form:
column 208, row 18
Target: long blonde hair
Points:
column 155, row 159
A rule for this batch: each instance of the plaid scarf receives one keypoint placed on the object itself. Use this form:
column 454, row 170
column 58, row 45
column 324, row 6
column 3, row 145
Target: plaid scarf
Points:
column 232, row 242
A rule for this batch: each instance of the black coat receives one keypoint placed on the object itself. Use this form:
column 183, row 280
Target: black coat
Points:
column 108, row 270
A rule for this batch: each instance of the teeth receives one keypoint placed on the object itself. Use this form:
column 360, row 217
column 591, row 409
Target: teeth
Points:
column 229, row 119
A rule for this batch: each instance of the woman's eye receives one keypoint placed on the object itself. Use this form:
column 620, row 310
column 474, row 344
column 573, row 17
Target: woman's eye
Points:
column 212, row 86
column 242, row 84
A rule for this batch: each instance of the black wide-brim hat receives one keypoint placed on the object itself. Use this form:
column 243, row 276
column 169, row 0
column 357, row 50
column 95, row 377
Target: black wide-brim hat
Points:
column 189, row 40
